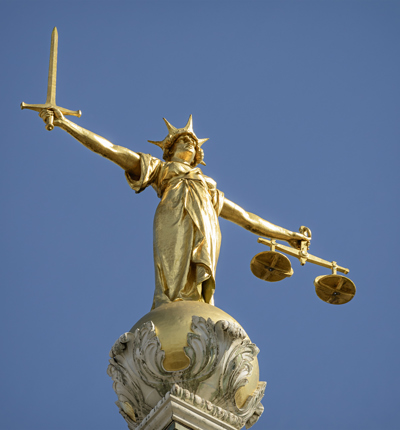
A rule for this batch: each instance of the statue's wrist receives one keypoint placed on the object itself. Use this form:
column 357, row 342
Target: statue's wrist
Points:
column 62, row 123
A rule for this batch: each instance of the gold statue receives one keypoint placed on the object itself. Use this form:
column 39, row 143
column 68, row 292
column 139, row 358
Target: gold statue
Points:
column 186, row 245
column 186, row 229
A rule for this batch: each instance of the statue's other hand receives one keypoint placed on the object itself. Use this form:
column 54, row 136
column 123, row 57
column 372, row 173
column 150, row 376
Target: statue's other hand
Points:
column 296, row 240
column 52, row 112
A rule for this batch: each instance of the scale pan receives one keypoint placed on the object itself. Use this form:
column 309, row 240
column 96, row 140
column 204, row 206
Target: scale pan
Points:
column 334, row 289
column 271, row 266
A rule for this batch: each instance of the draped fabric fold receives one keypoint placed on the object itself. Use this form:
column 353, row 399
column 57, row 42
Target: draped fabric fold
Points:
column 187, row 236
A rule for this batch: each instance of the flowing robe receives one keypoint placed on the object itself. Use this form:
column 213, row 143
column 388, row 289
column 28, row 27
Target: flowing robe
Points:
column 187, row 236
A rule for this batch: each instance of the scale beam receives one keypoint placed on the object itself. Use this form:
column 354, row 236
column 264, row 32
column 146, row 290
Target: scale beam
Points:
column 303, row 256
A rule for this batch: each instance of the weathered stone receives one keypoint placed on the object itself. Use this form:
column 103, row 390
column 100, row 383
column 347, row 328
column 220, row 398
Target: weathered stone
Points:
column 220, row 363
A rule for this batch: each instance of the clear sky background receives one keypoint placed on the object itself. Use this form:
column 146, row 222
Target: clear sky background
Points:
column 301, row 102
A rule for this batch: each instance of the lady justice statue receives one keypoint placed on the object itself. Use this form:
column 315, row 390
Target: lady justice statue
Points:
column 186, row 361
column 187, row 236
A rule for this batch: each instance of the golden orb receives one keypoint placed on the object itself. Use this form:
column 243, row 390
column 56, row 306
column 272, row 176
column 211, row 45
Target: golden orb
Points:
column 172, row 323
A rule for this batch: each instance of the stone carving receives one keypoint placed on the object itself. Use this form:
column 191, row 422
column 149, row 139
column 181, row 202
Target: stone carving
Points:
column 195, row 400
column 220, row 356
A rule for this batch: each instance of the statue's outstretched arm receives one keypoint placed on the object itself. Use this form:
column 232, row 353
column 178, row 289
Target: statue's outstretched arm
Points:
column 255, row 224
column 124, row 157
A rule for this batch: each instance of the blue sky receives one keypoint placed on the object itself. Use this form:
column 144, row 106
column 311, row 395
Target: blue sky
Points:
column 300, row 101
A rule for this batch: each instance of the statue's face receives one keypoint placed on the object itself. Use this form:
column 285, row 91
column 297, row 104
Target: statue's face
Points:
column 184, row 149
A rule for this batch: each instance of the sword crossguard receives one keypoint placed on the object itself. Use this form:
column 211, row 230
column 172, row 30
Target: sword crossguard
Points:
column 50, row 118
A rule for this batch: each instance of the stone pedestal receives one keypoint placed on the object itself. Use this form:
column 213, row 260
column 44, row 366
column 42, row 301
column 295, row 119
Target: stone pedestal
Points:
column 181, row 410
column 202, row 375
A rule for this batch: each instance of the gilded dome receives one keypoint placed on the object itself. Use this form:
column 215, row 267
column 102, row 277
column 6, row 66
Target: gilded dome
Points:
column 173, row 322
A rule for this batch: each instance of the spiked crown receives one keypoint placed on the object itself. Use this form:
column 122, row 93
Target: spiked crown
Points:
column 174, row 133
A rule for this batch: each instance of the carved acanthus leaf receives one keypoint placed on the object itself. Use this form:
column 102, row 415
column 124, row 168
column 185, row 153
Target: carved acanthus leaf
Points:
column 221, row 357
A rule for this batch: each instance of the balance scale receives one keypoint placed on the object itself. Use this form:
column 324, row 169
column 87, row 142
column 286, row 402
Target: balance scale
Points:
column 273, row 266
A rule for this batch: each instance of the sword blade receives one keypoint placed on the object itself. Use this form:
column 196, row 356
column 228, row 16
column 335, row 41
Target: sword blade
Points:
column 52, row 80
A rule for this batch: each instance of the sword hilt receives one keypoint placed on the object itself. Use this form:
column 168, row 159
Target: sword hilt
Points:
column 50, row 118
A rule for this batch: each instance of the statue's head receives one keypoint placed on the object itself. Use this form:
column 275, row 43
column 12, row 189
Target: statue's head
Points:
column 179, row 139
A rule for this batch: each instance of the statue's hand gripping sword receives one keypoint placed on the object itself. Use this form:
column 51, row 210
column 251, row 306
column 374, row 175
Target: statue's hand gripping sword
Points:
column 51, row 87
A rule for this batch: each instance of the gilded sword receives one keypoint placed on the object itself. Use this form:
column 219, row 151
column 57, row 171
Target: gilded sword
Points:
column 51, row 87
